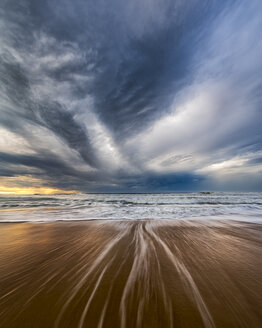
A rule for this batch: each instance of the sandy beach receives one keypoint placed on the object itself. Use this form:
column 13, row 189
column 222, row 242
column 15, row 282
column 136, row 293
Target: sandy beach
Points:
column 147, row 273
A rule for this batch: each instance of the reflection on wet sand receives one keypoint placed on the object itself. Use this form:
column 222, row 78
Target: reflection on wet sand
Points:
column 131, row 274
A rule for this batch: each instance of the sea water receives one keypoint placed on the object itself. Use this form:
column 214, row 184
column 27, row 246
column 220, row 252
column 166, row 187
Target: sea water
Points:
column 174, row 206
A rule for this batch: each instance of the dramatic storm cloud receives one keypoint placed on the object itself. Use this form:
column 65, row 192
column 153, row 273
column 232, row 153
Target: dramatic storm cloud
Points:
column 144, row 95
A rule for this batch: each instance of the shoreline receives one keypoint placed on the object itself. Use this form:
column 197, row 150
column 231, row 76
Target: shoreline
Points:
column 226, row 218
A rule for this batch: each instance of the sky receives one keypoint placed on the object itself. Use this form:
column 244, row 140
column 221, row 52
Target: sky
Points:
column 130, row 96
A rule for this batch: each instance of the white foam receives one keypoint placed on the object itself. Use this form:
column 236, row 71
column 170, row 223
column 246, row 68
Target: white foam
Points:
column 38, row 208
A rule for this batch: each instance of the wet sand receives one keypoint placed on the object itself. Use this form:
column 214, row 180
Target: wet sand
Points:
column 131, row 274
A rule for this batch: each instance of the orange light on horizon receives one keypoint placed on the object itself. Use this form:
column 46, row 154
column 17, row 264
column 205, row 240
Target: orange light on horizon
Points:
column 27, row 185
column 4, row 190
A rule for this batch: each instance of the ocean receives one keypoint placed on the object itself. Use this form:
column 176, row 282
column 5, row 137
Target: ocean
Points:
column 171, row 206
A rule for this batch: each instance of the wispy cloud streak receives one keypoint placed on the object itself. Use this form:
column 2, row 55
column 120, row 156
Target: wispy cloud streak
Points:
column 141, row 95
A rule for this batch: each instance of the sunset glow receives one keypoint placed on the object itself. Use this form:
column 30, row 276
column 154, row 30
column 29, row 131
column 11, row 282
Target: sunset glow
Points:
column 29, row 191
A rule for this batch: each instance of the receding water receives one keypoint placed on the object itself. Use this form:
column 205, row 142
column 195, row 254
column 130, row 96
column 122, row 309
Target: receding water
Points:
column 131, row 274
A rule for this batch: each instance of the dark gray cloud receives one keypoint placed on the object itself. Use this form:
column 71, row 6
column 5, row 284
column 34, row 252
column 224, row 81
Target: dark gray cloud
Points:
column 113, row 95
